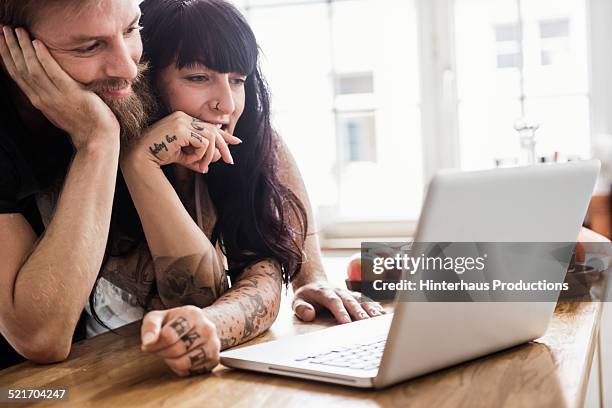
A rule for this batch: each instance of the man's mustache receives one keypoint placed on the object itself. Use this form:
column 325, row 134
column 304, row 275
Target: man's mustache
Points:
column 109, row 85
column 133, row 112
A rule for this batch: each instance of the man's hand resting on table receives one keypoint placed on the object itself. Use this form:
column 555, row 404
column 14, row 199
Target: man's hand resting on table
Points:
column 183, row 337
column 343, row 305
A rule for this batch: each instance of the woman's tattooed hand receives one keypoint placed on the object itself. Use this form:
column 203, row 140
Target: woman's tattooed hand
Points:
column 184, row 337
column 184, row 140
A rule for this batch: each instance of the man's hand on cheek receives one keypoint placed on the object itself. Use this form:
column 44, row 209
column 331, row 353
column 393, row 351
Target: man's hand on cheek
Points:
column 183, row 337
column 343, row 305
column 82, row 114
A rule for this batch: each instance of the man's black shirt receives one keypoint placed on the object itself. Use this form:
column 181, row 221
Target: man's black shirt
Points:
column 30, row 163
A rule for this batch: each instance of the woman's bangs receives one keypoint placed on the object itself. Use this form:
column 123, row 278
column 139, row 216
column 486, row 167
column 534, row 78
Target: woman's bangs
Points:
column 220, row 42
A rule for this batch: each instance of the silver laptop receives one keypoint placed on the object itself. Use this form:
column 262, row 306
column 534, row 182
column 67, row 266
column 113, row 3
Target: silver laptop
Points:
column 545, row 203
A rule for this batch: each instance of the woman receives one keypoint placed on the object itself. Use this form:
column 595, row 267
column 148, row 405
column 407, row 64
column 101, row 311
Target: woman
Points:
column 196, row 212
column 211, row 83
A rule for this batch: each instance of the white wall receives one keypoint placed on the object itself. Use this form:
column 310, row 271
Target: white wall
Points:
column 601, row 66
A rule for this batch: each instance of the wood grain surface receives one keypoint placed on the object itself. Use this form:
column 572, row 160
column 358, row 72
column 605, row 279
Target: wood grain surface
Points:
column 110, row 370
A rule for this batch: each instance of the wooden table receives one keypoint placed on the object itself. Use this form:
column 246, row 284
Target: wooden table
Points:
column 110, row 370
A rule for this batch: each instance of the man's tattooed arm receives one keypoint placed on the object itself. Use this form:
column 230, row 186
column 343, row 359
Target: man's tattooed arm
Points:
column 197, row 279
column 250, row 307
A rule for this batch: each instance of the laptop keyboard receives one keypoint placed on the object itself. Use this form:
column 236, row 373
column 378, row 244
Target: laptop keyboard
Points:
column 360, row 356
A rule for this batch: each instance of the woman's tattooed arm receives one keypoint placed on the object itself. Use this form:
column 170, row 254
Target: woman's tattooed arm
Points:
column 197, row 279
column 168, row 282
column 250, row 307
column 133, row 273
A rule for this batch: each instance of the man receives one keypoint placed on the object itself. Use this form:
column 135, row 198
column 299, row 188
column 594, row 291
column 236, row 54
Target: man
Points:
column 64, row 131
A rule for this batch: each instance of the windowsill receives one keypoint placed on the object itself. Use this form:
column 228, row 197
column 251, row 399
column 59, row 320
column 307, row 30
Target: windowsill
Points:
column 349, row 235
column 354, row 243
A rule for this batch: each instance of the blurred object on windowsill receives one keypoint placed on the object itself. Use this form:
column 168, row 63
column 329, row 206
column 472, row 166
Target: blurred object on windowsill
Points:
column 584, row 280
column 527, row 135
column 506, row 162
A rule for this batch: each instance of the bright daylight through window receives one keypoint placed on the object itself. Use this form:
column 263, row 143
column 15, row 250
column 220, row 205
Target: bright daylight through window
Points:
column 348, row 95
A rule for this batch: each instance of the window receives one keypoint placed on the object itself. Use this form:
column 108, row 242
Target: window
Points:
column 374, row 96
column 508, row 46
column 555, row 40
column 345, row 97
column 357, row 83
column 537, row 69
column 358, row 133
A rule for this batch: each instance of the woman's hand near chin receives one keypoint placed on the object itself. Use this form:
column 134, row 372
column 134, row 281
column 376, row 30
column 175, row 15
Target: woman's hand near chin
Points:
column 188, row 269
column 184, row 140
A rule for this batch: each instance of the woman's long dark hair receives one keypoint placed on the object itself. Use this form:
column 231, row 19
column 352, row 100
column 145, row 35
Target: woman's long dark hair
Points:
column 257, row 216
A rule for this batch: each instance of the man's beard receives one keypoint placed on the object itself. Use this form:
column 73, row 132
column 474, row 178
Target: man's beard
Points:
column 133, row 112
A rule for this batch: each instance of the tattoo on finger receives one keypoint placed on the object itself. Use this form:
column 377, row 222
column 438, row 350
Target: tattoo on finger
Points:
column 180, row 326
column 197, row 137
column 189, row 339
column 170, row 139
column 197, row 124
column 198, row 358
